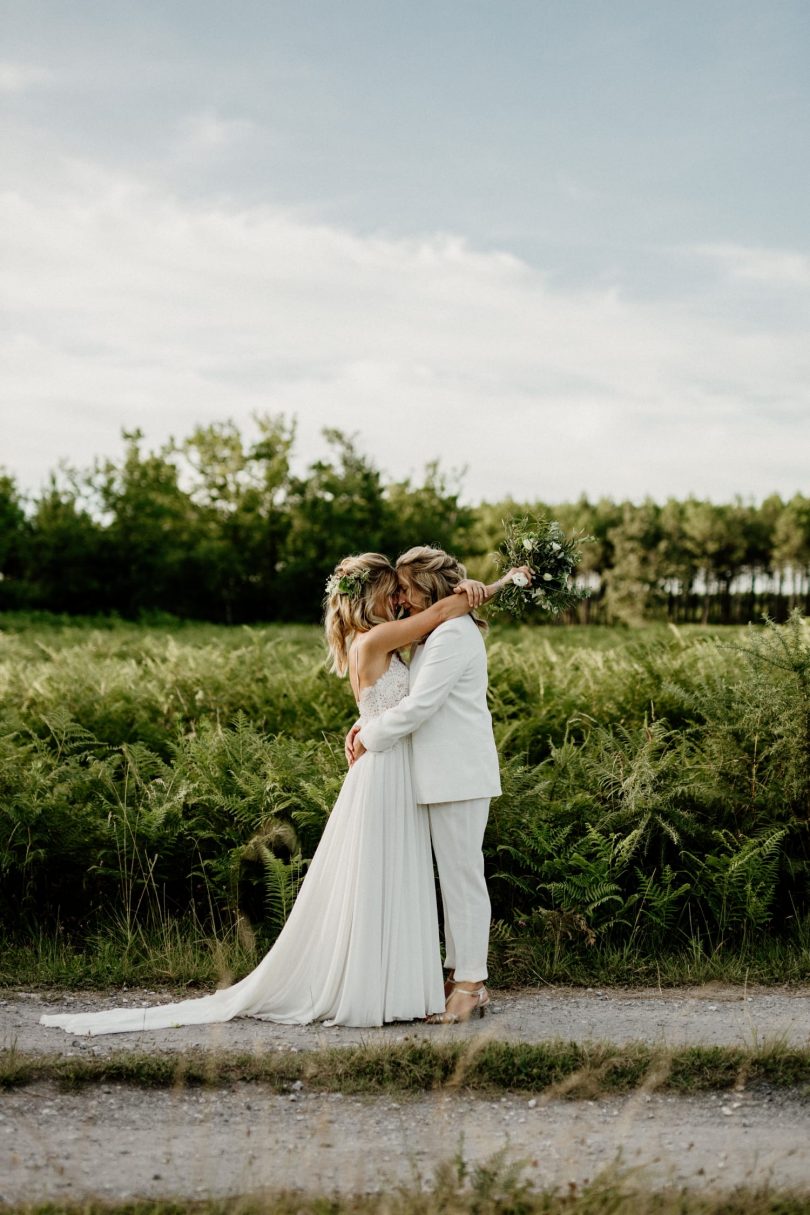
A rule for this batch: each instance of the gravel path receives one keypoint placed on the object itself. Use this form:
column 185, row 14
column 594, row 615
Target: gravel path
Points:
column 713, row 1015
column 114, row 1142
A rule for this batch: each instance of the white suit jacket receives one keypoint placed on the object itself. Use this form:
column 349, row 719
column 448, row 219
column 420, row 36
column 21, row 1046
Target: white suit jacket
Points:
column 445, row 711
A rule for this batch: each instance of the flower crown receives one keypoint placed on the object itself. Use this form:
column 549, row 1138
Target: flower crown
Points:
column 347, row 584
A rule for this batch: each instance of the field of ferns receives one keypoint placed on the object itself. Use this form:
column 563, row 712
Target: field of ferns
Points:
column 163, row 786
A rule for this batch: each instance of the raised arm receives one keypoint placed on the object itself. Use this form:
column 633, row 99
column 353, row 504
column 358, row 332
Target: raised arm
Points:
column 375, row 645
column 397, row 634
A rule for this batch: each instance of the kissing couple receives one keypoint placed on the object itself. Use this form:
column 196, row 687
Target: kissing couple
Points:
column 361, row 944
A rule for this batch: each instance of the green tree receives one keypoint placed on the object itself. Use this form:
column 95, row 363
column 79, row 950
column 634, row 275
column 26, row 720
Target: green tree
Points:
column 678, row 567
column 791, row 550
column 599, row 520
column 13, row 544
column 241, row 515
column 150, row 531
column 67, row 557
column 713, row 538
column 429, row 513
column 634, row 585
column 485, row 535
column 340, row 507
column 755, row 525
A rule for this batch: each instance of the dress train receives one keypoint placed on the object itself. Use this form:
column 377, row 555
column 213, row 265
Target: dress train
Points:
column 361, row 944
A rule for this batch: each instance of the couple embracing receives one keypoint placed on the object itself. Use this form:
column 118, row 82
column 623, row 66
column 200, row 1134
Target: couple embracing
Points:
column 361, row 944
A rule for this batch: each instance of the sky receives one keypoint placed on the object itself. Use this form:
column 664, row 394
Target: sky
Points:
column 560, row 246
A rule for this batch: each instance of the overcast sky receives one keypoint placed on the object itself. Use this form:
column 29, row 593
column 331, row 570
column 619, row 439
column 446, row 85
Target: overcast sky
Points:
column 561, row 243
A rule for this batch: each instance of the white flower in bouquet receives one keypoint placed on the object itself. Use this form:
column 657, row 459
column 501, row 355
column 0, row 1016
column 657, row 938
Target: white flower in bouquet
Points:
column 520, row 580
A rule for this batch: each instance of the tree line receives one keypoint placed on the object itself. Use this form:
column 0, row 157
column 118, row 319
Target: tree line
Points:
column 219, row 528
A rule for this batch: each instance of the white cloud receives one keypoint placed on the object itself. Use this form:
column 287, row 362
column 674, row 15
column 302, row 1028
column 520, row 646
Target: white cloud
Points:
column 17, row 77
column 779, row 267
column 208, row 132
column 129, row 306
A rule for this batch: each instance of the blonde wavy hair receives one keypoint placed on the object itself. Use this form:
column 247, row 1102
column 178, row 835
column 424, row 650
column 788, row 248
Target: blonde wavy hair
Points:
column 435, row 573
column 346, row 614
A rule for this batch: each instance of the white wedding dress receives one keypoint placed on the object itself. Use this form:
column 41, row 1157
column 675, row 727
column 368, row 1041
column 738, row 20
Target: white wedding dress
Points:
column 361, row 944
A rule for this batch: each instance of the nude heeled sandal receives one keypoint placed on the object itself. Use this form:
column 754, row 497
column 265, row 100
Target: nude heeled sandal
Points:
column 479, row 1006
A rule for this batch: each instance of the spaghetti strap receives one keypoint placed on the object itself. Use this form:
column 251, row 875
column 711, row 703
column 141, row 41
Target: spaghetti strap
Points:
column 353, row 654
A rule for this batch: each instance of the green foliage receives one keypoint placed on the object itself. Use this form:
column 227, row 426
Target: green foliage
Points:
column 737, row 884
column 218, row 526
column 213, row 527
column 671, row 829
column 552, row 559
column 656, row 787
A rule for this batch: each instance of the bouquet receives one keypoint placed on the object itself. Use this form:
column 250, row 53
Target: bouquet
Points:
column 552, row 558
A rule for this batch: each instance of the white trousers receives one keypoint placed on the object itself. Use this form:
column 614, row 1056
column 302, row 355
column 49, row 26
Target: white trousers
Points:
column 457, row 835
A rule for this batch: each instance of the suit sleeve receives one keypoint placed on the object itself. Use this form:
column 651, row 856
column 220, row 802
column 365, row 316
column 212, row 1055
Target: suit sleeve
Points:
column 441, row 668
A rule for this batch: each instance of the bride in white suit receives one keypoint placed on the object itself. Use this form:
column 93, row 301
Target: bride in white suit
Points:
column 361, row 944
column 455, row 766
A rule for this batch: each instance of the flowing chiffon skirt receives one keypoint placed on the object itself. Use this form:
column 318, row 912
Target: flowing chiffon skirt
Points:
column 361, row 944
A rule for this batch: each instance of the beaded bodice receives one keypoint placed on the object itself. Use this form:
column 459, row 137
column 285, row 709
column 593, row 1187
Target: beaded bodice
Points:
column 386, row 692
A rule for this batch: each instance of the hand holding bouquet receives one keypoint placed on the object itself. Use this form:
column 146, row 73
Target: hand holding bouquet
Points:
column 550, row 556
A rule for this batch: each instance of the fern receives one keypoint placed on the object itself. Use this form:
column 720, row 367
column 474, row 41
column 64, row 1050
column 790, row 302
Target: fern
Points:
column 739, row 881
column 653, row 784
column 646, row 788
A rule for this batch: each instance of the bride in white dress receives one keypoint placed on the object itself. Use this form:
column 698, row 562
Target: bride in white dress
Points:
column 361, row 944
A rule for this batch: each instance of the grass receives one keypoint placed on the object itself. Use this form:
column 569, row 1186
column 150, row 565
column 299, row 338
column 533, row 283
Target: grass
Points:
column 159, row 953
column 525, row 960
column 555, row 1068
column 182, row 953
column 494, row 1188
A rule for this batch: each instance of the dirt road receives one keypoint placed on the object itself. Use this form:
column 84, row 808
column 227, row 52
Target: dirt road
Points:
column 712, row 1015
column 112, row 1141
column 116, row 1142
